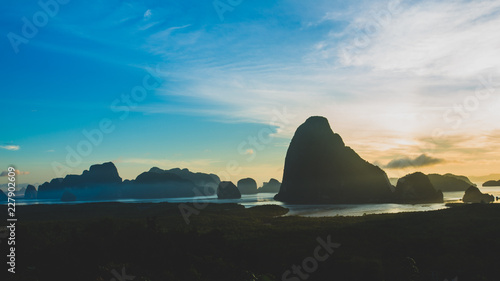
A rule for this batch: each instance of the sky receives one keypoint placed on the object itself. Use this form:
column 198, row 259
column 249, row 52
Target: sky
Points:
column 221, row 86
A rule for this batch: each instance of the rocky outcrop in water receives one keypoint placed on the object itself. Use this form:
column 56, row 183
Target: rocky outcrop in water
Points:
column 272, row 186
column 227, row 190
column 3, row 196
column 30, row 192
column 474, row 195
column 247, row 186
column 319, row 168
column 417, row 188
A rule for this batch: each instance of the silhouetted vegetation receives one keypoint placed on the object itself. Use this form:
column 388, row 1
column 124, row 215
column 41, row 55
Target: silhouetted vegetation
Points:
column 228, row 242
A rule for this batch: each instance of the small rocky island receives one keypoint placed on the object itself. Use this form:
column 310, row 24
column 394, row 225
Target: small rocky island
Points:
column 474, row 195
column 272, row 186
column 247, row 186
column 227, row 190
column 492, row 183
column 417, row 188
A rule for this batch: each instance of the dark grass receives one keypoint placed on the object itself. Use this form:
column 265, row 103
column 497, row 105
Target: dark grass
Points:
column 229, row 242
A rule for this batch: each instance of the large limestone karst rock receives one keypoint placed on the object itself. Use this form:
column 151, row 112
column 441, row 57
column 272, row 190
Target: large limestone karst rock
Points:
column 319, row 168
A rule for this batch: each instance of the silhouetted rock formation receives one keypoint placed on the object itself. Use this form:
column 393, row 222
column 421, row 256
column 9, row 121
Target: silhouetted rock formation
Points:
column 68, row 197
column 474, row 195
column 319, row 168
column 153, row 177
column 103, row 174
column 247, row 186
column 417, row 188
column 207, row 182
column 273, row 186
column 158, row 183
column 449, row 182
column 227, row 190
column 102, row 182
column 30, row 192
column 492, row 183
column 462, row 178
column 3, row 196
column 51, row 190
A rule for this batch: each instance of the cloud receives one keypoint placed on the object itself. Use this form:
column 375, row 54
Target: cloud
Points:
column 10, row 147
column 442, row 38
column 6, row 173
column 420, row 161
column 147, row 14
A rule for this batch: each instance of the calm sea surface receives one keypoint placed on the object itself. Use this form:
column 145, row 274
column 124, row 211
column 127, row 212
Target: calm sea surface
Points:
column 301, row 210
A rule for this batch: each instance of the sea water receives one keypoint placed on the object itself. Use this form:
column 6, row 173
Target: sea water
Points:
column 309, row 210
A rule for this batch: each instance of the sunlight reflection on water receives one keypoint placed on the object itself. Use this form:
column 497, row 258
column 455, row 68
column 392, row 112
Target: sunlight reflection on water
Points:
column 326, row 210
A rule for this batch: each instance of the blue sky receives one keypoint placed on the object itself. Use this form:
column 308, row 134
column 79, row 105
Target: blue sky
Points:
column 396, row 80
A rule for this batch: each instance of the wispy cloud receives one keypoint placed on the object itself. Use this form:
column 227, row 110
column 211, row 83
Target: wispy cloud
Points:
column 10, row 147
column 445, row 38
column 420, row 161
column 6, row 173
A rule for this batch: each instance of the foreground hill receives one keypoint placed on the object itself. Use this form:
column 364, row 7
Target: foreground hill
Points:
column 228, row 242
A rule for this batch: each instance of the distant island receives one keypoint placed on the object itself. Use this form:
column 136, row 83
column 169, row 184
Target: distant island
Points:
column 102, row 182
column 450, row 182
column 319, row 169
column 272, row 186
column 492, row 183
